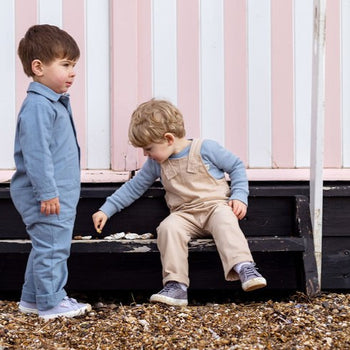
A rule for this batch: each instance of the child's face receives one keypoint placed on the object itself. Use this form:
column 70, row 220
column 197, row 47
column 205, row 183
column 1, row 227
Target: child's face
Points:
column 159, row 152
column 57, row 75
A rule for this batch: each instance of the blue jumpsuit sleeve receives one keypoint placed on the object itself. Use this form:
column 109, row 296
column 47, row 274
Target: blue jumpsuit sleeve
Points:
column 133, row 189
column 226, row 162
column 35, row 136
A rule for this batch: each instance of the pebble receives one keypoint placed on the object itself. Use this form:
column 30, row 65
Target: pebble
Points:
column 82, row 237
column 325, row 304
column 132, row 236
column 143, row 323
column 115, row 236
column 120, row 235
column 99, row 304
column 146, row 236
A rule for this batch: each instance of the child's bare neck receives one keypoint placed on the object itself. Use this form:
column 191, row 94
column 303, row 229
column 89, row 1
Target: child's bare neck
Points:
column 180, row 144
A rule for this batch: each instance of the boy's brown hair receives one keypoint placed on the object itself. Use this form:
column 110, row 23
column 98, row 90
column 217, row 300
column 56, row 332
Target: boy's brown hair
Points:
column 152, row 120
column 46, row 43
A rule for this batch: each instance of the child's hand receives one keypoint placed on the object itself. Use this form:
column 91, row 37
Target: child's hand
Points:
column 50, row 207
column 238, row 208
column 99, row 219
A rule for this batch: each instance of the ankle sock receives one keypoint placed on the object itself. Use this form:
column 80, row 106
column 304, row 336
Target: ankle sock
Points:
column 183, row 286
column 238, row 266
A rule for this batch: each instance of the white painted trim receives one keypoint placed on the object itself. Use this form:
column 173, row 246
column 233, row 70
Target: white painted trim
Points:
column 107, row 176
column 102, row 175
column 50, row 12
column 317, row 129
column 98, row 84
column 212, row 81
column 87, row 176
column 164, row 49
column 303, row 25
column 259, row 83
column 7, row 88
column 296, row 174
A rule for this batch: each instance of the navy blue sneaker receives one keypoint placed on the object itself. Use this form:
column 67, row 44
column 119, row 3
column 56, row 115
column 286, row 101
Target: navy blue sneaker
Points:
column 171, row 294
column 250, row 278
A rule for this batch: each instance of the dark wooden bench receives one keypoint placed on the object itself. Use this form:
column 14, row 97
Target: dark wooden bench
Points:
column 277, row 226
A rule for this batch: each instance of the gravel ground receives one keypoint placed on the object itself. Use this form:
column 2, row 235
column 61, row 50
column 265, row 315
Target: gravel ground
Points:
column 296, row 322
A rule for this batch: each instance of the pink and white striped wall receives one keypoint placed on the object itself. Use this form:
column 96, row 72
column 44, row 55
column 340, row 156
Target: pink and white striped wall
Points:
column 240, row 70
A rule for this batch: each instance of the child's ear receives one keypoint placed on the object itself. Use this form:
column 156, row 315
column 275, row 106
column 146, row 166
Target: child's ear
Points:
column 169, row 137
column 37, row 67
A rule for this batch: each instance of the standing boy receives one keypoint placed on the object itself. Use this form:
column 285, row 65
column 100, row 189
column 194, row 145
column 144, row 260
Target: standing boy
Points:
column 46, row 185
column 197, row 194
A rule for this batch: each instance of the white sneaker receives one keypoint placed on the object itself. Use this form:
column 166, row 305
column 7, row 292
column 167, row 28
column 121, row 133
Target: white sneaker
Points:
column 68, row 307
column 27, row 308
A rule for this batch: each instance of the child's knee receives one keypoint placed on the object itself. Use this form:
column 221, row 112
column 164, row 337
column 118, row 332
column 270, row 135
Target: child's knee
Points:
column 170, row 231
column 164, row 229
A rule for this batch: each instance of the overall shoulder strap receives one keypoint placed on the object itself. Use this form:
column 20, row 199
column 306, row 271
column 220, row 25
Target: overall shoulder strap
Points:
column 193, row 155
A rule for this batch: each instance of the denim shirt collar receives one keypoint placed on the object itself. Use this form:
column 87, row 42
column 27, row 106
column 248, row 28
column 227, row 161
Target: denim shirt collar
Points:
column 45, row 91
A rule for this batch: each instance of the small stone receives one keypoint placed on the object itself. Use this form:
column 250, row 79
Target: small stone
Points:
column 132, row 236
column 144, row 323
column 147, row 236
column 86, row 238
column 112, row 306
column 325, row 304
column 115, row 236
column 234, row 326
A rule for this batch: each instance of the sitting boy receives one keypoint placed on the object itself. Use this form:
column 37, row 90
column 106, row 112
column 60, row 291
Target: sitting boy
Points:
column 200, row 201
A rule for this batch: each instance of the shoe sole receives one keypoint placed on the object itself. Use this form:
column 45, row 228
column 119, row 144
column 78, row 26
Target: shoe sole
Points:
column 27, row 310
column 72, row 313
column 254, row 283
column 166, row 300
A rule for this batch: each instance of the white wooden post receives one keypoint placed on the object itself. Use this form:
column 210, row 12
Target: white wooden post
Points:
column 317, row 129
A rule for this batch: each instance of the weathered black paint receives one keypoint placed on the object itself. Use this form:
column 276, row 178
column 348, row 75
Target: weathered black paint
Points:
column 277, row 226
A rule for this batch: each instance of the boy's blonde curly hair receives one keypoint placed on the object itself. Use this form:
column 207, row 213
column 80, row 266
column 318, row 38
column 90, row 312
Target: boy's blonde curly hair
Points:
column 152, row 120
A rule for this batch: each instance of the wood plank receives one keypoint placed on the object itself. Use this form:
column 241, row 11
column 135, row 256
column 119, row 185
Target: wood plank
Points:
column 336, row 263
column 336, row 219
column 317, row 128
column 304, row 229
column 260, row 244
column 274, row 210
column 143, row 271
column 139, row 271
column 270, row 211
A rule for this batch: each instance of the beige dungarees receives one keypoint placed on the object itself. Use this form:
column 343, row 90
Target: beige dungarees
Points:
column 199, row 208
